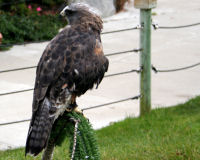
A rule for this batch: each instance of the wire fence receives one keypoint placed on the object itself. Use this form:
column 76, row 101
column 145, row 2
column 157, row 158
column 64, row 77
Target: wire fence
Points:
column 156, row 26
column 106, row 104
column 17, row 69
column 175, row 69
column 107, row 55
column 110, row 75
column 14, row 122
column 106, row 76
column 15, row 92
column 122, row 30
column 109, row 32
column 177, row 27
column 88, row 108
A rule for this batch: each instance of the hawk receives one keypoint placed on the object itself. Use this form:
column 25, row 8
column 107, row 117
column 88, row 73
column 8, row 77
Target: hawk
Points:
column 72, row 63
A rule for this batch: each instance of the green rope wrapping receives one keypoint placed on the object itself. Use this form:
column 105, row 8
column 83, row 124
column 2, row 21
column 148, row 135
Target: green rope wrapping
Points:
column 86, row 144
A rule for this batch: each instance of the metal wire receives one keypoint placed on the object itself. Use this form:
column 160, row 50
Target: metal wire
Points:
column 106, row 104
column 123, row 52
column 31, row 89
column 121, row 73
column 17, row 69
column 76, row 121
column 174, row 70
column 156, row 26
column 24, row 43
column 14, row 92
column 14, row 122
column 122, row 30
column 31, row 67
column 122, row 100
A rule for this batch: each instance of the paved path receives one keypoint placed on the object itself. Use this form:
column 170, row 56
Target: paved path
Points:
column 170, row 49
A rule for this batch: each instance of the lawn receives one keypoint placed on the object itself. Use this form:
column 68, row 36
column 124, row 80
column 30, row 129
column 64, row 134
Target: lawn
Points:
column 164, row 134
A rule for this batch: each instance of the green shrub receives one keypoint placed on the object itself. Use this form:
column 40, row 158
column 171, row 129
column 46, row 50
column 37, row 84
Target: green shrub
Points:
column 50, row 2
column 13, row 6
column 86, row 143
column 20, row 7
column 18, row 29
column 18, row 23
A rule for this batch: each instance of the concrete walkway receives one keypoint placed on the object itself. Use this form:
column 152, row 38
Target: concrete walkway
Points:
column 170, row 49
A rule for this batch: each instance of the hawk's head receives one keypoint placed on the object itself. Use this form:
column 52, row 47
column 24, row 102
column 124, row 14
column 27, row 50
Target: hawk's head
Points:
column 80, row 13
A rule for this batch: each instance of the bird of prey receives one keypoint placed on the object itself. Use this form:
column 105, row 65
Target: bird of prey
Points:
column 72, row 63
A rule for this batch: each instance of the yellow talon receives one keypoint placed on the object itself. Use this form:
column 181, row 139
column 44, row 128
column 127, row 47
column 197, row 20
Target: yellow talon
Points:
column 77, row 110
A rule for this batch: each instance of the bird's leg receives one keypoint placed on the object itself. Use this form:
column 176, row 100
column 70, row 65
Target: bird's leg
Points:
column 72, row 105
column 48, row 152
column 75, row 108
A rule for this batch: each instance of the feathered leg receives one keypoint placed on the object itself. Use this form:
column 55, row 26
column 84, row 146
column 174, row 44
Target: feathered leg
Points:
column 73, row 106
column 48, row 152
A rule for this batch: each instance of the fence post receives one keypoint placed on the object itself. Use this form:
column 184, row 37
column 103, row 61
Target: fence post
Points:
column 145, row 7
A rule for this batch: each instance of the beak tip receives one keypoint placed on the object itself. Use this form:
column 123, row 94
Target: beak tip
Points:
column 62, row 13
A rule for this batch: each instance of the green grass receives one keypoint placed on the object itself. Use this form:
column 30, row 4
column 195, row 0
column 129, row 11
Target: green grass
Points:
column 165, row 134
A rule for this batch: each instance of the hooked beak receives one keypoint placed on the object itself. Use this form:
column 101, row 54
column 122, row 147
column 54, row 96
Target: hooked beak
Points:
column 62, row 13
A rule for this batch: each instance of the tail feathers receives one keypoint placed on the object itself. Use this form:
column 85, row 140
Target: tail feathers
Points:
column 39, row 130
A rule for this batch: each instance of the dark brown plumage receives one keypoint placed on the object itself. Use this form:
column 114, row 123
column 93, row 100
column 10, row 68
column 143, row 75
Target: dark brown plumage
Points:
column 72, row 63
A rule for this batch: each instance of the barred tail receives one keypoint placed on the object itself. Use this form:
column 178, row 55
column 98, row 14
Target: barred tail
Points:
column 40, row 128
